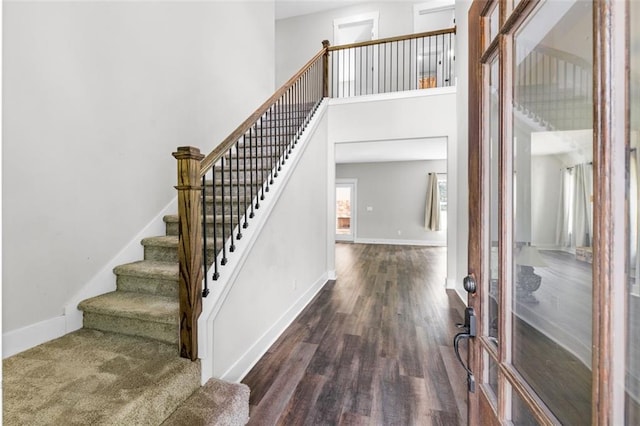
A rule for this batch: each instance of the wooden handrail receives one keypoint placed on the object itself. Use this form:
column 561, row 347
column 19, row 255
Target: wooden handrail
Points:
column 392, row 39
column 226, row 144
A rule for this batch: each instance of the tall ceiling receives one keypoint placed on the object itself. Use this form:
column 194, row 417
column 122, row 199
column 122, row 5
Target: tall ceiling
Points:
column 289, row 8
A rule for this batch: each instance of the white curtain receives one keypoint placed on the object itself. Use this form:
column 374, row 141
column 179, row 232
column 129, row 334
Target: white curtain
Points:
column 563, row 231
column 432, row 209
column 582, row 205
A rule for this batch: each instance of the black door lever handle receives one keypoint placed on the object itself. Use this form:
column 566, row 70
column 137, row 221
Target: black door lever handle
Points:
column 469, row 328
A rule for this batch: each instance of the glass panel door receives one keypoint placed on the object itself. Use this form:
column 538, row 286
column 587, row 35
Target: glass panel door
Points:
column 345, row 211
column 552, row 185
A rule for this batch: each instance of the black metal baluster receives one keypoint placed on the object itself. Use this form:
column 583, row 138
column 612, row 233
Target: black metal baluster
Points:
column 224, row 199
column 262, row 157
column 232, row 247
column 251, row 173
column 216, row 275
column 205, row 260
column 244, row 187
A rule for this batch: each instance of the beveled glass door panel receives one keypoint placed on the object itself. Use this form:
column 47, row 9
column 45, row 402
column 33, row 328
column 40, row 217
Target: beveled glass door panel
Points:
column 552, row 181
column 492, row 122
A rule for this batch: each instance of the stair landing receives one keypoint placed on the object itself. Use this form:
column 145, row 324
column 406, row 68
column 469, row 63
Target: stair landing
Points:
column 92, row 377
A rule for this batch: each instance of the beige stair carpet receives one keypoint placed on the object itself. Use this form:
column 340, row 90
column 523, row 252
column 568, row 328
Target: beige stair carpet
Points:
column 91, row 377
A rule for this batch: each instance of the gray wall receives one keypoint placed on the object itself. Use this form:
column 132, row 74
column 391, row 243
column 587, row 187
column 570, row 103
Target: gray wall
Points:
column 96, row 97
column 299, row 38
column 545, row 199
column 397, row 193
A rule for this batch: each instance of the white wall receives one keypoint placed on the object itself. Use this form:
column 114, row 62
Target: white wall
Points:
column 397, row 193
column 299, row 38
column 285, row 268
column 96, row 97
column 458, row 170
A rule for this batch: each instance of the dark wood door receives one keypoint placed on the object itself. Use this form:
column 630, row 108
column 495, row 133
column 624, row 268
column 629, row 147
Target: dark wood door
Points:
column 549, row 229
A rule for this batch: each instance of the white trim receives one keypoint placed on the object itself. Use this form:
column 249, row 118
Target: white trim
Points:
column 436, row 91
column 105, row 280
column 212, row 304
column 433, row 6
column 240, row 368
column 429, row 243
column 365, row 17
column 24, row 338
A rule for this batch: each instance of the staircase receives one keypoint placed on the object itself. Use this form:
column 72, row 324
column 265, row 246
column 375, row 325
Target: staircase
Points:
column 124, row 367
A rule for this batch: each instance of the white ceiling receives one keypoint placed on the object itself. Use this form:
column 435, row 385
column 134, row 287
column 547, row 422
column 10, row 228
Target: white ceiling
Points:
column 391, row 150
column 289, row 8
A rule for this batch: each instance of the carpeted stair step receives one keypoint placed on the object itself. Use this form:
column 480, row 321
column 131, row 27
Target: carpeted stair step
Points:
column 172, row 224
column 232, row 188
column 91, row 377
column 165, row 248
column 145, row 276
column 134, row 314
column 215, row 403
column 230, row 203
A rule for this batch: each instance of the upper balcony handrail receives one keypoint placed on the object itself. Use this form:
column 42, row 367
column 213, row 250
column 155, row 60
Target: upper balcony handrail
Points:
column 451, row 30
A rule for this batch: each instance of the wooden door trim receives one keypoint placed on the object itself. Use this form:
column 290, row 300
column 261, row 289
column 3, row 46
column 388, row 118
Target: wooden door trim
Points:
column 610, row 132
column 475, row 183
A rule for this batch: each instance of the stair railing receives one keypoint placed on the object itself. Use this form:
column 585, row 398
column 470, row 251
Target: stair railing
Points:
column 551, row 87
column 220, row 193
column 415, row 61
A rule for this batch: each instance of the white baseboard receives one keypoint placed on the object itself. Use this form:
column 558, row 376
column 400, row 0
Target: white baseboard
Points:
column 105, row 280
column 429, row 243
column 24, row 338
column 246, row 362
column 331, row 275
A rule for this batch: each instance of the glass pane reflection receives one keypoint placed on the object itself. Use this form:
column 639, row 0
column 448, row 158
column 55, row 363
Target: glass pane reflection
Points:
column 493, row 117
column 553, row 194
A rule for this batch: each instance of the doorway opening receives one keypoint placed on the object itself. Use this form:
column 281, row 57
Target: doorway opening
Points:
column 345, row 209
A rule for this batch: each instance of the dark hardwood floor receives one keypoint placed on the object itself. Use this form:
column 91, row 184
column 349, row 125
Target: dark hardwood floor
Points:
column 373, row 348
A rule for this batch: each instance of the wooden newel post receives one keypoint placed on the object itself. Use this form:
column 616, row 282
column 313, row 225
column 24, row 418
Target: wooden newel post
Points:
column 325, row 69
column 189, row 248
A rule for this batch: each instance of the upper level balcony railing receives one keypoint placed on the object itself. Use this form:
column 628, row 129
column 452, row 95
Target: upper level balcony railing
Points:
column 415, row 61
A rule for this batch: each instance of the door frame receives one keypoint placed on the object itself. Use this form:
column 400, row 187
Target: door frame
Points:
column 353, row 183
column 611, row 138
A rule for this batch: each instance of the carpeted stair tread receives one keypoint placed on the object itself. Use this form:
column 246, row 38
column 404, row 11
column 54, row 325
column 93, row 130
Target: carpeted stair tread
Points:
column 172, row 218
column 149, row 268
column 91, row 377
column 140, row 306
column 215, row 403
column 171, row 240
